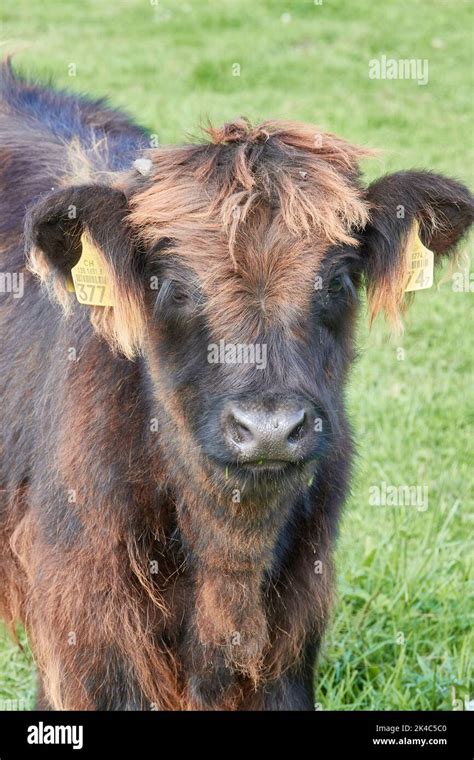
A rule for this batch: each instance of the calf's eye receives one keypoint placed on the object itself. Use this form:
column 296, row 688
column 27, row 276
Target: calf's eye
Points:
column 179, row 297
column 172, row 301
column 337, row 285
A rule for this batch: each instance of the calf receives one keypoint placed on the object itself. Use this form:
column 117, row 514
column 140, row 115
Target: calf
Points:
column 174, row 449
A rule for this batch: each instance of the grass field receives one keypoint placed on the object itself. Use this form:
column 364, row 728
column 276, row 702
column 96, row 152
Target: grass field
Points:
column 401, row 632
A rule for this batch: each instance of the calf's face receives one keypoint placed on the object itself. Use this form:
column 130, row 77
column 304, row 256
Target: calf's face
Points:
column 235, row 268
column 249, row 353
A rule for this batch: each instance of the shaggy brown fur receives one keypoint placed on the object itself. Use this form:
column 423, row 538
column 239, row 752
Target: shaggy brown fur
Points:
column 141, row 579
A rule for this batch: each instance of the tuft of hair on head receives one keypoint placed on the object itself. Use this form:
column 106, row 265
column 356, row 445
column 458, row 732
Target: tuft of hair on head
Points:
column 298, row 135
column 236, row 131
column 308, row 174
column 305, row 179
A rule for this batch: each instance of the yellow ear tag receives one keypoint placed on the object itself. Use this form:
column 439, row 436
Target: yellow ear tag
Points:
column 420, row 262
column 89, row 277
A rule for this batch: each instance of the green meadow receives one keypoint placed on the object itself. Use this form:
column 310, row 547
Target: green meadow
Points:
column 401, row 630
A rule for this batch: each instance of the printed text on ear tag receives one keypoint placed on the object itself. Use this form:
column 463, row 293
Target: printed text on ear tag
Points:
column 420, row 262
column 90, row 277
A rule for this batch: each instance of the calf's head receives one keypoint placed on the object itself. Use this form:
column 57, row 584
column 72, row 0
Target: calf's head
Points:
column 235, row 269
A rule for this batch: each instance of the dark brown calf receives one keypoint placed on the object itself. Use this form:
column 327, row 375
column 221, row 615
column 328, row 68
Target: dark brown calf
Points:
column 173, row 466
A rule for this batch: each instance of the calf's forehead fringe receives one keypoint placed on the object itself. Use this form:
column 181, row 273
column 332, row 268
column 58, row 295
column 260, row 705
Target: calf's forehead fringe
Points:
column 245, row 180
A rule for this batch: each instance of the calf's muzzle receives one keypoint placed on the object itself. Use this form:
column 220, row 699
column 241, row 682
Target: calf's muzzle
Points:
column 260, row 433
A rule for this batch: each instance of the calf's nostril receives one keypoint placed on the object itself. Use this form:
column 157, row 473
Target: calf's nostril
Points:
column 297, row 428
column 238, row 431
column 298, row 431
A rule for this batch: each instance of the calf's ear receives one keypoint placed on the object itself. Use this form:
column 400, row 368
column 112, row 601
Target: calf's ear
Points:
column 402, row 205
column 54, row 230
